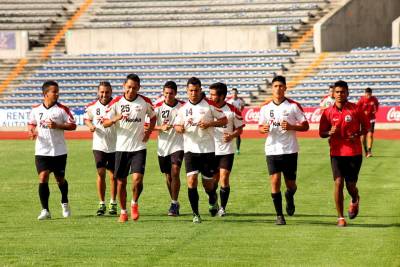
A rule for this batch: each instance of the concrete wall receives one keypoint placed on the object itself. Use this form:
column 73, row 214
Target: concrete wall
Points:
column 358, row 23
column 171, row 39
column 396, row 32
column 13, row 44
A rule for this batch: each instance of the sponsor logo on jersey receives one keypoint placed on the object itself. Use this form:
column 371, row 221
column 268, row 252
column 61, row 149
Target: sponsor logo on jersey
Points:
column 347, row 118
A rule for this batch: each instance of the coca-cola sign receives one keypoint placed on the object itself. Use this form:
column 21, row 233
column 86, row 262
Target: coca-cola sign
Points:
column 385, row 114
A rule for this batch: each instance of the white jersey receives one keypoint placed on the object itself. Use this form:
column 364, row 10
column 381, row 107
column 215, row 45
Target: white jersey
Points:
column 237, row 103
column 195, row 139
column 170, row 141
column 130, row 129
column 104, row 139
column 235, row 121
column 327, row 101
column 50, row 142
column 279, row 141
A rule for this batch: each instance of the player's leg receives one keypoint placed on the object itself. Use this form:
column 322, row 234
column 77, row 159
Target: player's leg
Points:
column 353, row 169
column 290, row 174
column 274, row 168
column 225, row 167
column 121, row 191
column 238, row 141
column 101, row 190
column 370, row 141
column 208, row 169
column 43, row 188
column 110, row 166
column 192, row 172
column 338, row 177
column 60, row 163
column 122, row 167
column 364, row 143
column 175, row 188
column 138, row 163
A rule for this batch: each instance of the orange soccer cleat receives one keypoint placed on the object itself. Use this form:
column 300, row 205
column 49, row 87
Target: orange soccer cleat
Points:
column 135, row 212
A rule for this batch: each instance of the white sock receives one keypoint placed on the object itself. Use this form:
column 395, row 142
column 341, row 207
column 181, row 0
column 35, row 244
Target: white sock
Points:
column 133, row 202
column 123, row 211
column 174, row 202
column 112, row 201
column 102, row 203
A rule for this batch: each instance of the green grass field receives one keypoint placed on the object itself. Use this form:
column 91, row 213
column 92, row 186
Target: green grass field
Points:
column 246, row 237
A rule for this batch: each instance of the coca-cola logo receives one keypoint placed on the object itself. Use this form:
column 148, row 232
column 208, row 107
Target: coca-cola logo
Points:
column 393, row 114
column 251, row 115
column 314, row 115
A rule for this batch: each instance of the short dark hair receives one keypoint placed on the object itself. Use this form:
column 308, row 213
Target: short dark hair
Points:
column 279, row 78
column 368, row 90
column 220, row 88
column 105, row 84
column 47, row 84
column 234, row 89
column 134, row 77
column 194, row 81
column 171, row 85
column 342, row 84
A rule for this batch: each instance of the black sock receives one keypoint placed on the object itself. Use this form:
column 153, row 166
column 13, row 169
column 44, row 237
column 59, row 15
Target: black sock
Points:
column 194, row 200
column 44, row 194
column 238, row 141
column 369, row 150
column 212, row 196
column 224, row 194
column 277, row 199
column 64, row 191
column 290, row 193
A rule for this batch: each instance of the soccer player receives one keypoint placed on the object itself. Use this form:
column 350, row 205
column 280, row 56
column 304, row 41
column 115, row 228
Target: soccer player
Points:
column 327, row 100
column 239, row 104
column 170, row 143
column 47, row 123
column 280, row 119
column 344, row 123
column 128, row 113
column 196, row 121
column 370, row 105
column 103, row 146
column 224, row 148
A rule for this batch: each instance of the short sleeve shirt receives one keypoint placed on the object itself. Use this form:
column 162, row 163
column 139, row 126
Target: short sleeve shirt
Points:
column 104, row 139
column 50, row 142
column 130, row 129
column 280, row 141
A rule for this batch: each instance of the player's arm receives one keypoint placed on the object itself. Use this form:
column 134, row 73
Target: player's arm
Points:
column 302, row 127
column 263, row 125
column 90, row 125
column 32, row 133
column 219, row 122
column 230, row 136
column 110, row 122
column 148, row 130
column 325, row 127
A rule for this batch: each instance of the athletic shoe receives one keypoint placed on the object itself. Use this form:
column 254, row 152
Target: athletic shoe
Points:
column 290, row 207
column 101, row 210
column 196, row 218
column 368, row 155
column 112, row 209
column 353, row 209
column 221, row 212
column 213, row 209
column 135, row 212
column 280, row 220
column 66, row 210
column 44, row 215
column 238, row 152
column 123, row 218
column 341, row 222
column 173, row 210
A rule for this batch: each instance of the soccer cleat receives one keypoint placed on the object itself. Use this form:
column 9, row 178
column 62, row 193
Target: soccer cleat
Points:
column 66, row 210
column 135, row 212
column 123, row 217
column 280, row 220
column 221, row 212
column 213, row 209
column 353, row 209
column 368, row 155
column 341, row 222
column 101, row 210
column 290, row 207
column 112, row 209
column 237, row 152
column 196, row 218
column 44, row 215
column 173, row 209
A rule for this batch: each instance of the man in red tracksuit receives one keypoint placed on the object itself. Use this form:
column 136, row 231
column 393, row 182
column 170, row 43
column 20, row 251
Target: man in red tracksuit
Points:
column 344, row 123
column 369, row 104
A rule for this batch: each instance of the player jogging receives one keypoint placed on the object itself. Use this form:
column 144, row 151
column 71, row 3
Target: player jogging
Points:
column 280, row 119
column 47, row 123
column 103, row 146
column 224, row 147
column 196, row 120
column 128, row 113
column 170, row 143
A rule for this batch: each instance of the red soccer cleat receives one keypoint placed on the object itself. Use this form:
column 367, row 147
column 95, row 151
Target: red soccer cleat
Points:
column 341, row 222
column 123, row 217
column 353, row 209
column 135, row 212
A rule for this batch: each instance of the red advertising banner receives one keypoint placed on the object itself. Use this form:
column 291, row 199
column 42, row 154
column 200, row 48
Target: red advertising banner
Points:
column 386, row 114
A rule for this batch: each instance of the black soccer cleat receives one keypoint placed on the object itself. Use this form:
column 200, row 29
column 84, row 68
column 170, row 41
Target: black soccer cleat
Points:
column 280, row 220
column 213, row 209
column 290, row 207
column 101, row 210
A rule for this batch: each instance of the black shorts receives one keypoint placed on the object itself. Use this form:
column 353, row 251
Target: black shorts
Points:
column 346, row 167
column 55, row 164
column 166, row 162
column 372, row 128
column 225, row 161
column 286, row 163
column 203, row 163
column 129, row 162
column 104, row 160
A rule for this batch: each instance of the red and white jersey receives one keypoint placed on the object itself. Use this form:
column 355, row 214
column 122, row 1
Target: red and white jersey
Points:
column 130, row 129
column 327, row 101
column 280, row 141
column 235, row 121
column 237, row 103
column 104, row 139
column 195, row 139
column 50, row 142
column 370, row 106
column 170, row 141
